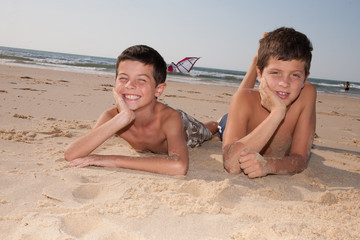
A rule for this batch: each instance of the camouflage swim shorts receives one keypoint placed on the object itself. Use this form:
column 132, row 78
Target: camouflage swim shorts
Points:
column 196, row 131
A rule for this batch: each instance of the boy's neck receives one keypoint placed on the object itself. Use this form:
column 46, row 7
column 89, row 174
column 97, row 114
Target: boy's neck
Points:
column 145, row 115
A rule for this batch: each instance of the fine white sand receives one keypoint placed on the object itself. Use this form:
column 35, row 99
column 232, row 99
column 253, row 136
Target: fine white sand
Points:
column 41, row 197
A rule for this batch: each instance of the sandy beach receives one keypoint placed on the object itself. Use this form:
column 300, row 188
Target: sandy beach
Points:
column 42, row 197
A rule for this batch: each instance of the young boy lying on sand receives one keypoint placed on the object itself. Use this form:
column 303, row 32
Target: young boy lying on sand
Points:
column 142, row 121
column 270, row 130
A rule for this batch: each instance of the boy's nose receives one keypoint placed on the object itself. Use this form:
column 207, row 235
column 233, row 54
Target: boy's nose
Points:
column 130, row 84
column 284, row 82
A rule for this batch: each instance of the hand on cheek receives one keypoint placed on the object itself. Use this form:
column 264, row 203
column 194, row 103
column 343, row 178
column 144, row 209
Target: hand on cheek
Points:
column 122, row 107
column 269, row 99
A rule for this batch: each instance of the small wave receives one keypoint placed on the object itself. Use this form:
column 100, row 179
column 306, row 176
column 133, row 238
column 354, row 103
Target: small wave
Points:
column 219, row 75
column 17, row 58
column 95, row 65
column 329, row 85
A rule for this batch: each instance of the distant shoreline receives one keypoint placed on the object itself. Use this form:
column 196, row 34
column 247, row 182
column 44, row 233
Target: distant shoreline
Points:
column 170, row 77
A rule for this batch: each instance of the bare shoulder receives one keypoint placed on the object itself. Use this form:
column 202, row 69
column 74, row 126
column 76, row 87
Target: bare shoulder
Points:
column 309, row 88
column 245, row 99
column 245, row 106
column 245, row 94
column 308, row 93
column 166, row 113
column 170, row 123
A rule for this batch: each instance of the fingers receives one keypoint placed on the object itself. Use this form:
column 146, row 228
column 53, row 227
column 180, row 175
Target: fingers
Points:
column 263, row 84
column 264, row 35
column 123, row 108
column 252, row 171
column 116, row 98
column 263, row 88
column 81, row 162
column 120, row 103
column 244, row 152
column 245, row 158
column 250, row 167
column 115, row 94
column 269, row 99
column 264, row 93
column 252, row 164
column 246, row 161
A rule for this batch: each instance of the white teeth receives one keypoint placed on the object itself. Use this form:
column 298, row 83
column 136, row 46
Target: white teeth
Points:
column 282, row 93
column 132, row 97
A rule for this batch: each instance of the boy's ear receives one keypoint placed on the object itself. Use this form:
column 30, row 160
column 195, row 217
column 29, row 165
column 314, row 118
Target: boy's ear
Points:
column 258, row 73
column 303, row 85
column 307, row 77
column 159, row 89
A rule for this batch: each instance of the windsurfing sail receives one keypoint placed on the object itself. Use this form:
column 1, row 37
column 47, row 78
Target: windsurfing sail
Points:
column 183, row 66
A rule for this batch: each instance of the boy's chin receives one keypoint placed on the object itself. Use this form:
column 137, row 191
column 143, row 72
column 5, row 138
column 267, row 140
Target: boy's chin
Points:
column 133, row 108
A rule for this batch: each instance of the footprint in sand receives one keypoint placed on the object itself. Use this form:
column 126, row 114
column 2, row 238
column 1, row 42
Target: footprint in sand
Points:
column 222, row 193
column 229, row 197
column 284, row 193
column 96, row 227
column 194, row 188
column 86, row 192
column 328, row 198
column 73, row 224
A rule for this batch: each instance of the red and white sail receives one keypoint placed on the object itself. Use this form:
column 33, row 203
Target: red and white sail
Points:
column 183, row 66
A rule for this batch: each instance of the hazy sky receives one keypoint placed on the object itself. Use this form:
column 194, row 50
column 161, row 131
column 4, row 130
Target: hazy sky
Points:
column 224, row 33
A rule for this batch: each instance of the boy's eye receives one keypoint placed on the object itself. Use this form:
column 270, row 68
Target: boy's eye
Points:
column 297, row 75
column 122, row 79
column 141, row 80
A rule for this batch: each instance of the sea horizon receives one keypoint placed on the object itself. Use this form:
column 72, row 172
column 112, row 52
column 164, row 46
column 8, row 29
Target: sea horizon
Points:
column 106, row 66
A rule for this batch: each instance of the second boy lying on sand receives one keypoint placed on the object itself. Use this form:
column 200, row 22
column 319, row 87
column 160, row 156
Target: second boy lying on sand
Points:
column 270, row 130
column 142, row 121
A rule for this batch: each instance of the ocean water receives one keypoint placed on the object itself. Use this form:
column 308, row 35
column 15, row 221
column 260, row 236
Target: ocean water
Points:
column 106, row 66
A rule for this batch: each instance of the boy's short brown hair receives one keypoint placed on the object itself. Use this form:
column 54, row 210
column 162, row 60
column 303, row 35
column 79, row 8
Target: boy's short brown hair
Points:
column 285, row 44
column 147, row 56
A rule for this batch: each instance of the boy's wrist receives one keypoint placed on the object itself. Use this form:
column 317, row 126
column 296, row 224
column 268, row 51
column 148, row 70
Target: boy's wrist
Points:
column 121, row 120
column 270, row 162
column 278, row 114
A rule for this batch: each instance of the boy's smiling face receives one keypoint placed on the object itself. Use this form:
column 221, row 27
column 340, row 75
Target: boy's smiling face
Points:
column 284, row 78
column 136, row 85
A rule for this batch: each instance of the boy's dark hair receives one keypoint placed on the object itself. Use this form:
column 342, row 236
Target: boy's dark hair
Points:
column 147, row 56
column 285, row 44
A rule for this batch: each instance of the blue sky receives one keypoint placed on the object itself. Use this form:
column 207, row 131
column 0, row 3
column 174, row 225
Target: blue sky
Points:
column 224, row 33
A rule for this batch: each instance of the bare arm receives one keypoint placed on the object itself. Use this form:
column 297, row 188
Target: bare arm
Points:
column 106, row 126
column 250, row 76
column 255, row 165
column 237, row 140
column 303, row 136
column 175, row 163
column 232, row 148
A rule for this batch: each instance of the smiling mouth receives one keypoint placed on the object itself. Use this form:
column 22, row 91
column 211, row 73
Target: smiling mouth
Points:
column 282, row 94
column 131, row 97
